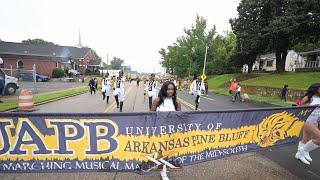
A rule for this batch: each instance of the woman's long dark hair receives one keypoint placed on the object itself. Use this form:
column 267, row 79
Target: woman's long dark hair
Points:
column 163, row 94
column 312, row 90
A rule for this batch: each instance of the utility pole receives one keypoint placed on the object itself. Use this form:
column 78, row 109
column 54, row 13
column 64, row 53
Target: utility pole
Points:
column 205, row 61
column 107, row 61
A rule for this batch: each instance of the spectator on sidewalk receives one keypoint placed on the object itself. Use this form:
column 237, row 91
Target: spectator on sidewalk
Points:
column 167, row 99
column 233, row 89
column 283, row 93
column 238, row 93
column 206, row 86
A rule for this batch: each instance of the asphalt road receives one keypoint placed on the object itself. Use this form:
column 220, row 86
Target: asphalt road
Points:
column 278, row 163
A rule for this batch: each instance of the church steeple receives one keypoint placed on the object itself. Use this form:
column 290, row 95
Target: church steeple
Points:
column 79, row 43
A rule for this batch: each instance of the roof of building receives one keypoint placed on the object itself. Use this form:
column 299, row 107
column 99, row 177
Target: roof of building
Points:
column 94, row 63
column 313, row 52
column 269, row 56
column 61, row 52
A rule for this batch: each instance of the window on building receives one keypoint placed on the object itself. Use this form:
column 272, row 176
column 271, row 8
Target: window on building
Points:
column 270, row 63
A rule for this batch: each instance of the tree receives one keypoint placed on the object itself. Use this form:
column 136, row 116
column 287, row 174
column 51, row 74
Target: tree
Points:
column 186, row 56
column 275, row 26
column 38, row 42
column 116, row 63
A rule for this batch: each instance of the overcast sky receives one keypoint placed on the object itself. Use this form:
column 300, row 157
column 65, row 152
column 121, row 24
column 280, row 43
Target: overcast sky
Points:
column 133, row 30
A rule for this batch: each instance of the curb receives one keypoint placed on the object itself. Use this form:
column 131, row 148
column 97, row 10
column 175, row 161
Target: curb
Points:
column 49, row 101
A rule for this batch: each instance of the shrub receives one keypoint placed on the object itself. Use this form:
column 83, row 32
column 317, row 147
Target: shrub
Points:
column 57, row 73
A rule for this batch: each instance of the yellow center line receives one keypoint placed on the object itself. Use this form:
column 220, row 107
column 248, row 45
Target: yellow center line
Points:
column 114, row 104
column 191, row 106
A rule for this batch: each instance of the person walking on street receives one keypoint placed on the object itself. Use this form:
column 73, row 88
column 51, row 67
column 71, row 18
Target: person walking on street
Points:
column 138, row 81
column 167, row 98
column 107, row 86
column 311, row 133
column 151, row 89
column 196, row 88
column 283, row 93
column 95, row 84
column 92, row 86
column 119, row 90
column 103, row 89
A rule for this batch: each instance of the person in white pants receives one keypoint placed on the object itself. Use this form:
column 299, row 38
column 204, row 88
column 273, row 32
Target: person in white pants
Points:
column 119, row 90
column 196, row 88
column 151, row 88
column 107, row 84
column 311, row 132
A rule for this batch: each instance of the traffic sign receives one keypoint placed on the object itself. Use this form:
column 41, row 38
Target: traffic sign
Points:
column 203, row 77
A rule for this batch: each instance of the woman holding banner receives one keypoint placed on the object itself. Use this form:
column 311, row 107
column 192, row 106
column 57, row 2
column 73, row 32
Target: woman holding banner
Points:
column 311, row 132
column 167, row 99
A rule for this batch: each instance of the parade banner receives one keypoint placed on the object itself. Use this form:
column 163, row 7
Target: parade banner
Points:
column 31, row 142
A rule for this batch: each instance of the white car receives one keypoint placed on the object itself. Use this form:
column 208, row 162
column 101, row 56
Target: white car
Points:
column 10, row 84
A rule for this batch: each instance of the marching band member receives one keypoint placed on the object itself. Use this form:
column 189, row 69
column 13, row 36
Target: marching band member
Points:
column 119, row 90
column 196, row 88
column 151, row 89
column 107, row 83
column 311, row 132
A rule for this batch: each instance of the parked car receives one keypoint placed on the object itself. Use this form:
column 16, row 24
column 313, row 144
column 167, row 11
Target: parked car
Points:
column 10, row 84
column 28, row 76
column 42, row 78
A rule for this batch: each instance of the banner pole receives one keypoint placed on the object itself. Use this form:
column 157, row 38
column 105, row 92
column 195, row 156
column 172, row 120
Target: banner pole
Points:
column 163, row 173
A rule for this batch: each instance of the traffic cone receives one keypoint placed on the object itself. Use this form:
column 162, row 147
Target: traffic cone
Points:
column 26, row 101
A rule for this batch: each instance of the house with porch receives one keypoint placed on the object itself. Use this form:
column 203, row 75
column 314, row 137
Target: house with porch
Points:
column 45, row 57
column 295, row 62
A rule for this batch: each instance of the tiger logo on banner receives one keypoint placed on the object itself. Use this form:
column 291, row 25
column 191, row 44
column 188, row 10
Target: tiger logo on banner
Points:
column 275, row 128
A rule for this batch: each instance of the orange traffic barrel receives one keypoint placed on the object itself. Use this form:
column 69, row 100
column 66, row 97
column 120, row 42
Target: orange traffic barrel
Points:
column 26, row 100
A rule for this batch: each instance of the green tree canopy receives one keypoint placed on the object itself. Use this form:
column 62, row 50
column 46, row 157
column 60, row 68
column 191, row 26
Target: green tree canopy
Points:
column 38, row 42
column 275, row 26
column 116, row 63
column 186, row 56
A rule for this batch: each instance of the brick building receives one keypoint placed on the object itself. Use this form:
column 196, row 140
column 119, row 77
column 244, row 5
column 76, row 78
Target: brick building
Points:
column 45, row 57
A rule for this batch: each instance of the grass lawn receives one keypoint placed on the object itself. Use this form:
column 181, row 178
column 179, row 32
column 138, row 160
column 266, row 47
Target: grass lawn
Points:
column 216, row 81
column 299, row 81
column 13, row 103
column 294, row 80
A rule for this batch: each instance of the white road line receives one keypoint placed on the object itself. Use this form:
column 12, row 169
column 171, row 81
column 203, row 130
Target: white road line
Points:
column 207, row 98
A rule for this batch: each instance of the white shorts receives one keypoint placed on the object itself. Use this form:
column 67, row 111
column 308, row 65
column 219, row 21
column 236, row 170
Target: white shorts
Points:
column 314, row 116
column 152, row 94
column 108, row 89
column 120, row 93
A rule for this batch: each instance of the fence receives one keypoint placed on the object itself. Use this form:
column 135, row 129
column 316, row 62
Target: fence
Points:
column 22, row 74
